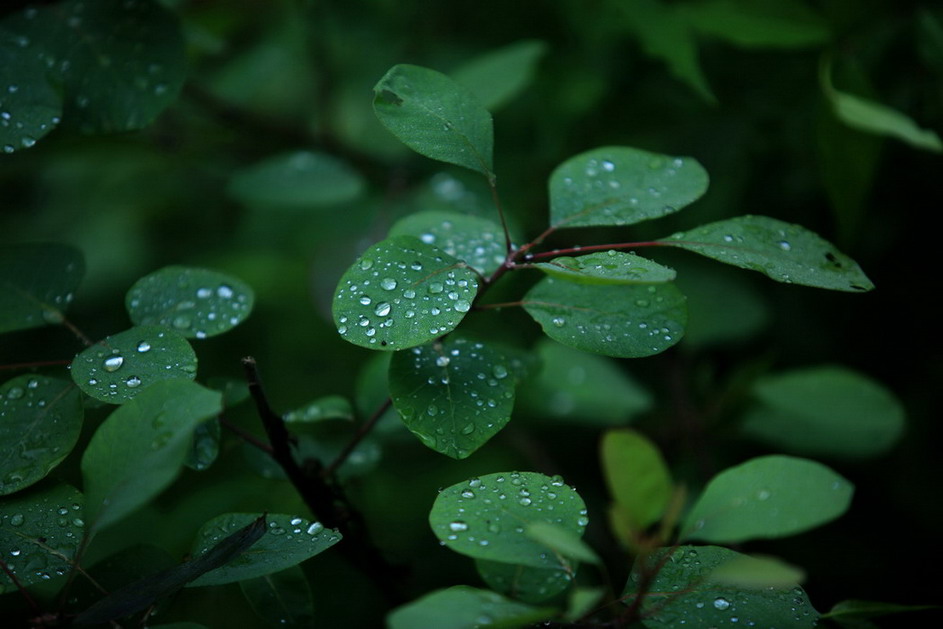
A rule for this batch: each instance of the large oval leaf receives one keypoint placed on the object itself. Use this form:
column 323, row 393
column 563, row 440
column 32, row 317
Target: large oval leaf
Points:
column 37, row 283
column 621, row 321
column 402, row 293
column 40, row 421
column 609, row 267
column 122, row 366
column 474, row 240
column 618, row 185
column 453, row 395
column 194, row 302
column 464, row 607
column 487, row 517
column 435, row 116
column 296, row 181
column 767, row 497
column 782, row 251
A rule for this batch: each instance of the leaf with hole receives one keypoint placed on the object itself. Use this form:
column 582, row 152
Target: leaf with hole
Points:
column 524, row 583
column 498, row 76
column 638, row 479
column 609, row 267
column 37, row 284
column 464, row 607
column 301, row 180
column 281, row 598
column 477, row 241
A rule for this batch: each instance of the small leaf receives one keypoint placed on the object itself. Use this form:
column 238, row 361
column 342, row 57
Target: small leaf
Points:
column 782, row 251
column 30, row 105
column 500, row 75
column 40, row 421
column 609, row 267
column 618, row 185
column 756, row 24
column 756, row 573
column 281, row 598
column 621, row 321
column 435, row 116
column 825, row 411
column 563, row 541
column 487, row 517
column 464, row 607
column 638, row 479
column 205, row 446
column 767, row 497
column 124, row 365
column 37, row 283
column 328, row 407
column 454, row 395
column 194, row 302
column 40, row 532
column 476, row 241
column 861, row 610
column 524, row 583
column 288, row 541
column 582, row 601
column 141, row 447
column 401, row 293
column 301, row 180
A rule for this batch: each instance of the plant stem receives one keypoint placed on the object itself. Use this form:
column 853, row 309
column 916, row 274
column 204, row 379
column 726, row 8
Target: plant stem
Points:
column 19, row 586
column 42, row 363
column 362, row 432
column 245, row 436
column 77, row 332
column 575, row 250
column 493, row 185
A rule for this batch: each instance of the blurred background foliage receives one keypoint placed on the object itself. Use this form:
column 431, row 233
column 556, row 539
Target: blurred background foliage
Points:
column 271, row 166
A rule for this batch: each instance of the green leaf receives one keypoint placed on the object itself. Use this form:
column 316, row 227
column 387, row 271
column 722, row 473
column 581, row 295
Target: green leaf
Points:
column 582, row 601
column 621, row 321
column 124, row 365
column 40, row 421
column 638, row 479
column 281, row 598
column 500, row 75
column 752, row 572
column 40, row 532
column 767, row 497
column 861, row 610
column 684, row 594
column 288, row 541
column 300, row 180
column 141, row 447
column 525, row 583
column 30, row 105
column 609, row 267
column 581, row 388
column 487, row 517
column 477, row 241
column 37, row 283
column 825, row 411
column 194, row 302
column 618, row 185
column 205, row 446
column 435, row 116
column 321, row 409
column 321, row 442
column 464, row 607
column 401, row 293
column 563, row 541
column 741, row 315
column 782, row 251
column 454, row 395
column 757, row 24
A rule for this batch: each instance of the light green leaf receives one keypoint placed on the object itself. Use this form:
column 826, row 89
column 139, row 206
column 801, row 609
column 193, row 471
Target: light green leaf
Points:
column 464, row 607
column 782, row 251
column 618, row 185
column 757, row 24
column 477, row 241
column 435, row 116
column 563, row 541
column 454, row 395
column 205, row 446
column 124, row 365
column 194, row 302
column 30, row 106
column 767, row 497
column 684, row 594
column 37, row 283
column 621, row 321
column 861, row 610
column 288, row 541
column 300, row 180
column 582, row 601
column 753, row 572
column 487, row 517
column 40, row 532
column 609, row 267
column 40, row 421
column 524, row 583
column 321, row 409
column 638, row 479
column 825, row 411
column 141, row 447
column 401, row 293
column 281, row 598
column 500, row 75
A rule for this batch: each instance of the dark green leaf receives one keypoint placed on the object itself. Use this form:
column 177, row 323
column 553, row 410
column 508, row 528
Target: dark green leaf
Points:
column 476, row 241
column 281, row 598
column 301, row 180
column 525, row 583
column 487, row 517
column 141, row 447
column 205, row 446
column 30, row 106
column 453, row 395
column 860, row 610
column 758, row 24
column 621, row 321
column 618, row 185
column 124, row 365
column 767, row 497
column 288, row 541
column 322, row 443
column 464, row 607
column 37, row 283
column 194, row 302
column 402, row 293
column 740, row 315
column 435, row 116
column 562, row 541
column 782, row 251
column 234, row 391
column 638, row 479
column 752, row 572
column 610, row 267
column 40, row 532
column 328, row 407
column 40, row 421
column 500, row 75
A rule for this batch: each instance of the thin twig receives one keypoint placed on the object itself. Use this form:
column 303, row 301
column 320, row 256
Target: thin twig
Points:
column 19, row 586
column 245, row 435
column 77, row 332
column 362, row 432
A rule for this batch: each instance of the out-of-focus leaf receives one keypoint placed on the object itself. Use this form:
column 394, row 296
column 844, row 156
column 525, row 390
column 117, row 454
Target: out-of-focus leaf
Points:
column 281, row 598
column 757, row 23
column 30, row 105
column 524, row 583
column 637, row 476
column 296, row 181
column 37, row 283
column 500, row 75
column 464, row 607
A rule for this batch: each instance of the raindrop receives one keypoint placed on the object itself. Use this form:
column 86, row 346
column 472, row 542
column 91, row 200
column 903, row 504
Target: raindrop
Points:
column 366, row 263
column 435, row 287
column 133, row 382
column 608, row 166
column 721, row 603
column 15, row 393
column 383, row 308
column 458, row 526
column 462, row 306
column 365, row 301
column 763, row 494
column 442, row 361
column 113, row 363
column 315, row 528
column 558, row 321
column 500, row 372
column 17, row 519
column 468, row 493
column 387, row 283
column 785, row 246
column 182, row 322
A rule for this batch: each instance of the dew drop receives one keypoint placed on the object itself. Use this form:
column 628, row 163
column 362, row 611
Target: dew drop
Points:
column 436, row 287
column 113, row 363
column 462, row 306
column 387, row 283
column 225, row 292
column 458, row 526
column 365, row 301
column 133, row 382
column 383, row 308
column 785, row 246
column 315, row 528
column 366, row 263
column 442, row 361
column 721, row 603
column 17, row 519
column 558, row 321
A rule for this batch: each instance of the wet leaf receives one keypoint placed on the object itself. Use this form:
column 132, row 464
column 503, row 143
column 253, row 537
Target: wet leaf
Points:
column 40, row 421
column 37, row 283
column 498, row 76
column 474, row 240
column 753, row 572
column 563, row 541
column 30, row 105
column 464, row 607
column 205, row 446
column 124, row 365
column 281, row 598
column 609, row 267
column 321, row 409
column 618, row 185
column 524, row 583
column 638, row 479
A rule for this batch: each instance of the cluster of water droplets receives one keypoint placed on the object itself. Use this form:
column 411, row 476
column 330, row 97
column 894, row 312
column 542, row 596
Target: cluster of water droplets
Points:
column 476, row 241
column 610, row 267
